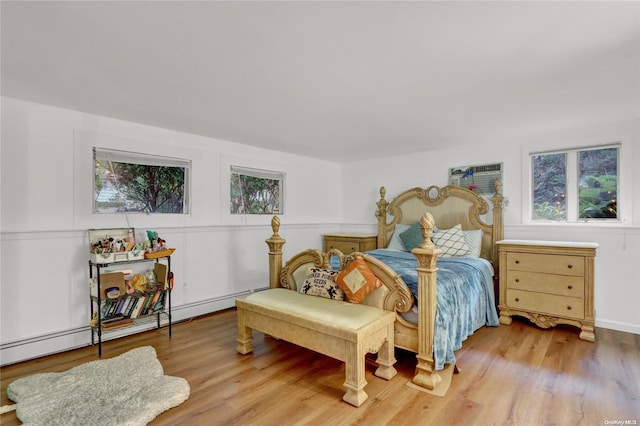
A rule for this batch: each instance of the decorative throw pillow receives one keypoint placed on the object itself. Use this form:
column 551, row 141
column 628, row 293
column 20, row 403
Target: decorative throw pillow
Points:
column 320, row 282
column 396, row 243
column 412, row 237
column 474, row 241
column 357, row 280
column 451, row 241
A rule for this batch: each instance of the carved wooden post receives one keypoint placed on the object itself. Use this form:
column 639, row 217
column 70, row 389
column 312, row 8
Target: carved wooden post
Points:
column 427, row 255
column 587, row 326
column 381, row 214
column 498, row 228
column 275, row 244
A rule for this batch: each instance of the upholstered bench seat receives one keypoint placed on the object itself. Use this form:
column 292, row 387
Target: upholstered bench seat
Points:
column 341, row 330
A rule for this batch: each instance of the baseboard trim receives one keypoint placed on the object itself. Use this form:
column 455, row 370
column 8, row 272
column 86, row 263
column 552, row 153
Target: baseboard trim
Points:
column 36, row 347
column 52, row 343
column 618, row 326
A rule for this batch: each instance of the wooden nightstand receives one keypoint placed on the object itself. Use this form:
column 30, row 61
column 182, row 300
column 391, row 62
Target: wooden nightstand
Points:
column 548, row 282
column 349, row 242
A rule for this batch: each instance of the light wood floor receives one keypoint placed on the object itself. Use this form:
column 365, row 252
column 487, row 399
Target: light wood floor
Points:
column 511, row 375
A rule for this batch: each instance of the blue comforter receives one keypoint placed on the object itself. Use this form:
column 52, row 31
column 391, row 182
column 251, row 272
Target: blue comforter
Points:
column 465, row 299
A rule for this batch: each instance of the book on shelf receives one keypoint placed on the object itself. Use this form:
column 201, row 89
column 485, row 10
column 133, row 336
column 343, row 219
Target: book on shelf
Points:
column 134, row 305
column 113, row 319
column 152, row 305
column 159, row 305
column 147, row 303
column 114, row 307
column 119, row 305
column 104, row 309
column 111, row 307
column 131, row 305
column 125, row 305
column 130, row 301
column 143, row 303
column 139, row 306
column 117, row 323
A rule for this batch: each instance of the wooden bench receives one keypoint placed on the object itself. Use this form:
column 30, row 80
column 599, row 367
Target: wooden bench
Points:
column 338, row 329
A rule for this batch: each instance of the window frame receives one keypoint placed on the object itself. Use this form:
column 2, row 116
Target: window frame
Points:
column 281, row 177
column 624, row 202
column 131, row 157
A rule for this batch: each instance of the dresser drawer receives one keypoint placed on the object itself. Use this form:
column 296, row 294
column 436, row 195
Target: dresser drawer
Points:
column 348, row 243
column 344, row 246
column 549, row 263
column 563, row 285
column 569, row 307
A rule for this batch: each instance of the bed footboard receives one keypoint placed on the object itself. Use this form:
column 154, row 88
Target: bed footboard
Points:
column 396, row 296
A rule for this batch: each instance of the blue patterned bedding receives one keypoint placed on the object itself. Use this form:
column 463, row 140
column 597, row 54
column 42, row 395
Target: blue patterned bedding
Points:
column 465, row 299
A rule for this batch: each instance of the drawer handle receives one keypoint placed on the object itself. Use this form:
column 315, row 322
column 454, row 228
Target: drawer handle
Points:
column 569, row 307
column 517, row 261
column 517, row 280
column 569, row 266
column 517, row 300
column 569, row 287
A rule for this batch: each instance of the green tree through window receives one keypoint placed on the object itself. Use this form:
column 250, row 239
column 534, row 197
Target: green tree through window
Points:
column 598, row 185
column 575, row 184
column 256, row 191
column 124, row 182
column 550, row 186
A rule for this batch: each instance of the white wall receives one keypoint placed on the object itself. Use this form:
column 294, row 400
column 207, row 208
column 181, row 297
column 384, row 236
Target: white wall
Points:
column 46, row 179
column 617, row 280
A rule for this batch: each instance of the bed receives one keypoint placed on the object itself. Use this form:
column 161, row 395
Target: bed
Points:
column 425, row 287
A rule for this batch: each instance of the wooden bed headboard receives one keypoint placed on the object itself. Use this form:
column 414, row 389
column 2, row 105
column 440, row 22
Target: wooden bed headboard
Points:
column 449, row 206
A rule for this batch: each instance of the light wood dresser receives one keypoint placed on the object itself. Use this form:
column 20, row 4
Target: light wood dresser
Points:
column 548, row 282
column 350, row 242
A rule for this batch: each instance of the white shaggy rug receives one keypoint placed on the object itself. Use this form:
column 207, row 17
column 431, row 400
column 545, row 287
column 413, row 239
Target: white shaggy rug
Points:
column 129, row 389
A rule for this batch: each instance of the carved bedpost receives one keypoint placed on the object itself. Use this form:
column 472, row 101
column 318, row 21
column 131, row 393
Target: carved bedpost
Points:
column 381, row 214
column 427, row 255
column 498, row 226
column 275, row 244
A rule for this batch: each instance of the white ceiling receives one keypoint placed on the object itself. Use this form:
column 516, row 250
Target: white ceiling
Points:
column 333, row 80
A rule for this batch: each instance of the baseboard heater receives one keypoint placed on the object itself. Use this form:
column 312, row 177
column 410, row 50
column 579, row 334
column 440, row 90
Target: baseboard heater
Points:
column 74, row 338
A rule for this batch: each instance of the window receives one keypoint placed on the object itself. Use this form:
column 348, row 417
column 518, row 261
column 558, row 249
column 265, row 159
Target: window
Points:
column 256, row 191
column 132, row 182
column 575, row 184
column 549, row 186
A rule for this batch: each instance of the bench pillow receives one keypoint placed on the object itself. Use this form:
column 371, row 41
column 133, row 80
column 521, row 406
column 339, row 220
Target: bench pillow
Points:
column 357, row 280
column 320, row 282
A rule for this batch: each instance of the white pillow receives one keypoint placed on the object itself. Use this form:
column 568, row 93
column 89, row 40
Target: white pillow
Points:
column 396, row 243
column 474, row 241
column 451, row 241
